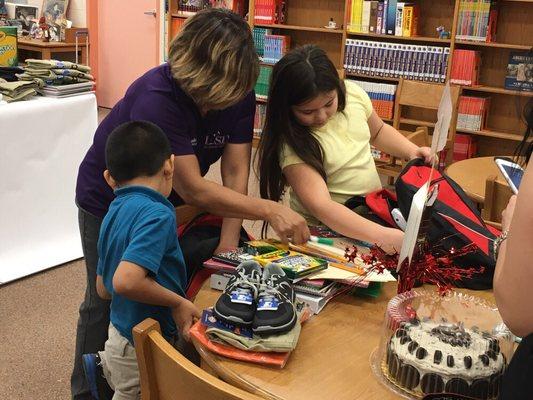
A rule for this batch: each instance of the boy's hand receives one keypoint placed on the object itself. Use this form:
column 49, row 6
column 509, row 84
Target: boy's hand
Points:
column 184, row 315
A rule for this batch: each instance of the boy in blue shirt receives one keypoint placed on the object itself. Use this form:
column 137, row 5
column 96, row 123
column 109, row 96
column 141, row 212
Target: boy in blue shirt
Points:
column 141, row 267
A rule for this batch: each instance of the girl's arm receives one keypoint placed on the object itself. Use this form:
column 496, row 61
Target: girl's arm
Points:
column 314, row 195
column 514, row 270
column 389, row 140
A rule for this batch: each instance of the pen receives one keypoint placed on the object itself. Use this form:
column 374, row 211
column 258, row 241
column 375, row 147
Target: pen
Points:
column 321, row 240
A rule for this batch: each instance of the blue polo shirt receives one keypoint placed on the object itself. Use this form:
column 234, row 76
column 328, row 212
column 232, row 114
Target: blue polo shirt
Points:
column 156, row 97
column 140, row 227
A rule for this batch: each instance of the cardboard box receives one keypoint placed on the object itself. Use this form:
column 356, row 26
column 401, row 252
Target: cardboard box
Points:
column 70, row 35
column 8, row 46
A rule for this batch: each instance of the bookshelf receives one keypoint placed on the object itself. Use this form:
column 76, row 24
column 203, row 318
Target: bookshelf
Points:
column 306, row 20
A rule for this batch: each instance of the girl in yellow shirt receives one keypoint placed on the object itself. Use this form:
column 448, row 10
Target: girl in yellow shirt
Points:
column 316, row 139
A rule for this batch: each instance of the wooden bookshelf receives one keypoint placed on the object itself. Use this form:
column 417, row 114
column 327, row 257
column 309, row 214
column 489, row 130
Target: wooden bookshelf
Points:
column 305, row 21
column 301, row 28
column 421, row 39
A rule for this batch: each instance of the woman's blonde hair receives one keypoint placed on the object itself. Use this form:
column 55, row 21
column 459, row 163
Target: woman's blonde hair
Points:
column 213, row 58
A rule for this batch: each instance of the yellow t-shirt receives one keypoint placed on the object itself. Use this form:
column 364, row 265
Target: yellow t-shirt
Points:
column 345, row 142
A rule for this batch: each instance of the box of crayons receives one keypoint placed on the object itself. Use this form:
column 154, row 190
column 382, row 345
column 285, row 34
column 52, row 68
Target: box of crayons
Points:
column 295, row 265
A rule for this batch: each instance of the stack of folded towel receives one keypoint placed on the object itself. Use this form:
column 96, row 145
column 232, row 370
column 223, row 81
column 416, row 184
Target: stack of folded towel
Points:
column 53, row 72
column 16, row 91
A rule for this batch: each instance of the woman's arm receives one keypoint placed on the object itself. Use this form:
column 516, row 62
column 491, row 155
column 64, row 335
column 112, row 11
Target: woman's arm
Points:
column 389, row 140
column 513, row 278
column 235, row 171
column 217, row 199
column 315, row 197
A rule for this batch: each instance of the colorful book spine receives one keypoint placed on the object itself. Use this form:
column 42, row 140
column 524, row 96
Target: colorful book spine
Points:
column 472, row 113
column 398, row 30
column 365, row 16
column 263, row 81
column 464, row 147
column 379, row 21
column 391, row 17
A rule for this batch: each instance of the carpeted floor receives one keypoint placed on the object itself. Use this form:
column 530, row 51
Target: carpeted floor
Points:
column 38, row 316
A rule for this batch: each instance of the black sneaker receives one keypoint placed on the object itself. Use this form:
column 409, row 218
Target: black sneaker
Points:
column 96, row 380
column 238, row 302
column 276, row 312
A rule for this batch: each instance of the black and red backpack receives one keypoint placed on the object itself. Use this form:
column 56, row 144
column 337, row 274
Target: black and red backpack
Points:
column 455, row 221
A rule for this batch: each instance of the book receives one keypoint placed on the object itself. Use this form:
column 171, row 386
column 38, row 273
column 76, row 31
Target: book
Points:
column 472, row 112
column 317, row 303
column 465, row 68
column 410, row 20
column 309, row 288
column 398, row 30
column 373, row 23
column 519, row 74
column 379, row 18
column 365, row 16
column 295, row 265
column 390, row 23
column 382, row 96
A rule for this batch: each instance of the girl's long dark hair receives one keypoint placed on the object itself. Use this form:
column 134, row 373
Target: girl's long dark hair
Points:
column 298, row 77
column 525, row 148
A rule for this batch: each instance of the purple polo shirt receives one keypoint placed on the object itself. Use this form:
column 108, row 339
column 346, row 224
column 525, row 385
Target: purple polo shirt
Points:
column 156, row 97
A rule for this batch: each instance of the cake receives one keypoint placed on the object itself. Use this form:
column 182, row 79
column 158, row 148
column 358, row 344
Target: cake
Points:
column 437, row 356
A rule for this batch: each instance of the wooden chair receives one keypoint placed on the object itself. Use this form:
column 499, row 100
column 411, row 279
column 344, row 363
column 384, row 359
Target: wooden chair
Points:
column 420, row 99
column 497, row 196
column 166, row 374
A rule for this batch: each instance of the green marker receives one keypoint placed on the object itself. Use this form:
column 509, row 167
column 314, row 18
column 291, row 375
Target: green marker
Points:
column 321, row 240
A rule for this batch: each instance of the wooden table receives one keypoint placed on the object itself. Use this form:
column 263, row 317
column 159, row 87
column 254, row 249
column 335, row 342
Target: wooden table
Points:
column 48, row 48
column 332, row 359
column 472, row 174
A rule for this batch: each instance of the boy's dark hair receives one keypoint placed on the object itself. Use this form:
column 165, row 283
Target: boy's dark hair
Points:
column 136, row 148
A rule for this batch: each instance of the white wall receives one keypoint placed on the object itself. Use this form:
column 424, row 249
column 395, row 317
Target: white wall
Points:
column 75, row 13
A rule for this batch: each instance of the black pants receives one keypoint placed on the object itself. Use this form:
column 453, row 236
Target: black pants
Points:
column 517, row 383
column 93, row 320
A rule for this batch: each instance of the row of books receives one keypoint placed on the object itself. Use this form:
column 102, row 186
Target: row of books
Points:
column 385, row 17
column 477, row 20
column 259, row 119
column 263, row 82
column 190, row 7
column 270, row 12
column 416, row 62
column 275, row 47
column 382, row 96
column 259, row 39
column 464, row 147
column 466, row 67
column 472, row 112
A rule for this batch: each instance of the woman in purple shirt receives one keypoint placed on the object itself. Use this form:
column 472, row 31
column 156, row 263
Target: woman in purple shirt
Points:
column 203, row 100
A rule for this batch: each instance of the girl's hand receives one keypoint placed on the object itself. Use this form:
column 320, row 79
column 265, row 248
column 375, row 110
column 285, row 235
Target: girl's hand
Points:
column 424, row 153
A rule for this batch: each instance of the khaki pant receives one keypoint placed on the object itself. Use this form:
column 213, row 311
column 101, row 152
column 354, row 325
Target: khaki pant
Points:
column 119, row 364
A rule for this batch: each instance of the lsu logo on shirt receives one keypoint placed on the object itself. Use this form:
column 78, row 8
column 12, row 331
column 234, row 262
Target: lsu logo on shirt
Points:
column 215, row 140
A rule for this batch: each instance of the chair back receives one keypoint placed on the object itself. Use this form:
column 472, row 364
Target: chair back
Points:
column 497, row 195
column 422, row 99
column 166, row 374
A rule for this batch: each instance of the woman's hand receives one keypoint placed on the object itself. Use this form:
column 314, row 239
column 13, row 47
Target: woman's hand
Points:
column 424, row 153
column 507, row 214
column 288, row 224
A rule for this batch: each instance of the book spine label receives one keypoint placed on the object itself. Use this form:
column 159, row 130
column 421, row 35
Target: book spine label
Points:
column 398, row 30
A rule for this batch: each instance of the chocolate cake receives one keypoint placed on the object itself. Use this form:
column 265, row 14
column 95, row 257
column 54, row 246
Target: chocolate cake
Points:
column 431, row 357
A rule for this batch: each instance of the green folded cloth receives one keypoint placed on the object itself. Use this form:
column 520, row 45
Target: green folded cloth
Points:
column 50, row 64
column 281, row 343
column 73, row 73
column 25, row 94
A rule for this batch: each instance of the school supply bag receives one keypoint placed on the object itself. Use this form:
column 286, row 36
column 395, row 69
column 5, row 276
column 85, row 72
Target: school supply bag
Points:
column 455, row 221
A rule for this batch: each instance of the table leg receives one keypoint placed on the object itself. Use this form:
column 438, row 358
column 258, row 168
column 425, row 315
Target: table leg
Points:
column 46, row 54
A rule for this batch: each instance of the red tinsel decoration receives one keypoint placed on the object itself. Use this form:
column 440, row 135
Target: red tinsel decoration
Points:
column 435, row 266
